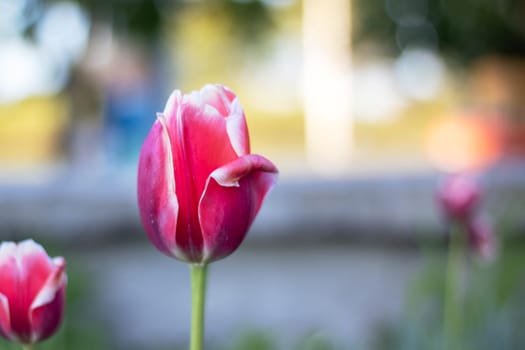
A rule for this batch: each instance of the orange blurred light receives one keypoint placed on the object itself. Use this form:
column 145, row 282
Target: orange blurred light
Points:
column 464, row 143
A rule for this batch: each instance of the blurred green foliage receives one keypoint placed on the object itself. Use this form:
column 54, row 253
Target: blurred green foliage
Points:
column 463, row 30
column 257, row 340
column 144, row 20
column 492, row 311
column 316, row 341
column 253, row 340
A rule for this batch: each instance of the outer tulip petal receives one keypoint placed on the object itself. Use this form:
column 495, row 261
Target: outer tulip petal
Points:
column 5, row 318
column 50, row 297
column 237, row 129
column 214, row 95
column 54, row 282
column 157, row 199
column 44, row 319
column 35, row 267
column 233, row 196
column 8, row 286
column 173, row 103
column 8, row 269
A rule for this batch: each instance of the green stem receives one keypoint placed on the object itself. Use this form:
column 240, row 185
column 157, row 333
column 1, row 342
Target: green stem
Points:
column 198, row 295
column 27, row 346
column 452, row 304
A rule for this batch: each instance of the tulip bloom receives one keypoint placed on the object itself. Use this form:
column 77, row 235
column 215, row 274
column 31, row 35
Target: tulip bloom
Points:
column 32, row 292
column 458, row 196
column 199, row 188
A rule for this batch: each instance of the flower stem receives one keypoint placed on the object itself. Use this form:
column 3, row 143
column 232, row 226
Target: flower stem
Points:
column 27, row 346
column 451, row 304
column 198, row 295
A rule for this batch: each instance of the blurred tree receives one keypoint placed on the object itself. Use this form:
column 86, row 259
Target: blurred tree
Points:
column 121, row 74
column 143, row 19
column 463, row 30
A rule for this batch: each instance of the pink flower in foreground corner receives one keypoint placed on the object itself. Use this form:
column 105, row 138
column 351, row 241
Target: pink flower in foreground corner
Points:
column 458, row 196
column 32, row 292
column 199, row 188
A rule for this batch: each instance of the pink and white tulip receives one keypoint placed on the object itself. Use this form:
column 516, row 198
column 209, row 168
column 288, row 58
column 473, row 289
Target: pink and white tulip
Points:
column 199, row 188
column 32, row 292
column 459, row 196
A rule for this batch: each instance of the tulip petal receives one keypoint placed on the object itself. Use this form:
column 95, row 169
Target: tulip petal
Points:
column 5, row 318
column 158, row 204
column 228, row 105
column 199, row 144
column 47, row 308
column 8, row 286
column 203, row 140
column 8, row 266
column 237, row 129
column 54, row 281
column 223, row 101
column 215, row 95
column 35, row 266
column 173, row 103
column 24, row 269
column 234, row 194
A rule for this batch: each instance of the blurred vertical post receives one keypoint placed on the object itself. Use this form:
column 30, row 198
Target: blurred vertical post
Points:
column 326, row 84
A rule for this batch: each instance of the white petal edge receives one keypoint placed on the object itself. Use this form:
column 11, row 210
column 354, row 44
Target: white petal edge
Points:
column 199, row 100
column 51, row 286
column 27, row 248
column 194, row 98
column 173, row 200
column 173, row 102
column 237, row 129
column 220, row 175
column 7, row 250
column 212, row 90
column 229, row 174
column 235, row 121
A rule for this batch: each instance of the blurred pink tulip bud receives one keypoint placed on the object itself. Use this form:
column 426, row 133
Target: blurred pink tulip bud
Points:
column 458, row 197
column 199, row 188
column 32, row 292
column 481, row 237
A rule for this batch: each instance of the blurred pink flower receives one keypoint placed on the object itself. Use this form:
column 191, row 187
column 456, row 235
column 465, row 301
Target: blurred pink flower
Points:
column 32, row 292
column 199, row 188
column 458, row 197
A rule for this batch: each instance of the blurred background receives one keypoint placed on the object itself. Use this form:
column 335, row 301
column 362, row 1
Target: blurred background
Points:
column 364, row 105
